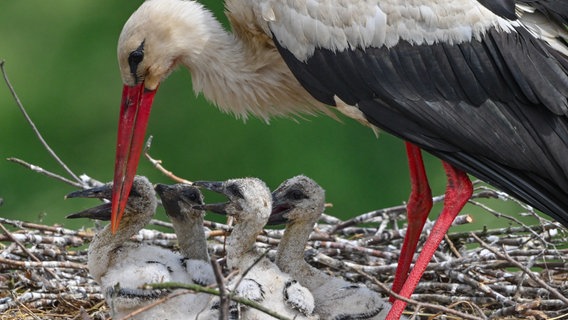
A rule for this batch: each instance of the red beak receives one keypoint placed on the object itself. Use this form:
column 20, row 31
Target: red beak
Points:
column 134, row 114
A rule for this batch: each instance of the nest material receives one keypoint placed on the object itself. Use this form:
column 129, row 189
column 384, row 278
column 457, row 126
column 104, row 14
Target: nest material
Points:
column 506, row 273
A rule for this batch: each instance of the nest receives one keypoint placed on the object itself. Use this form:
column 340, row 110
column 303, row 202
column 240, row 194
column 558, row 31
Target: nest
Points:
column 514, row 272
column 507, row 273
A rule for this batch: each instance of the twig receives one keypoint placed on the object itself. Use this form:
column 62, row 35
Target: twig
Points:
column 422, row 304
column 43, row 264
column 154, row 304
column 367, row 216
column 346, row 247
column 198, row 288
column 452, row 246
column 517, row 221
column 41, row 170
column 522, row 267
column 36, row 131
column 223, row 297
column 41, row 227
column 158, row 164
column 31, row 255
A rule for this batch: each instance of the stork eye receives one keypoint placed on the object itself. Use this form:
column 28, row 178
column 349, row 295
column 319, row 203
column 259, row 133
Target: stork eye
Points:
column 296, row 195
column 135, row 57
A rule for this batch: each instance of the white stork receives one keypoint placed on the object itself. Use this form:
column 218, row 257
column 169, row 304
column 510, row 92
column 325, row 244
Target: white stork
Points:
column 481, row 84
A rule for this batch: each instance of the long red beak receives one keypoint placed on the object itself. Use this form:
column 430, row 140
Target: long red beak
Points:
column 134, row 114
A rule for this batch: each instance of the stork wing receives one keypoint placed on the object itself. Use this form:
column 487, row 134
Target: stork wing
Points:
column 555, row 10
column 486, row 94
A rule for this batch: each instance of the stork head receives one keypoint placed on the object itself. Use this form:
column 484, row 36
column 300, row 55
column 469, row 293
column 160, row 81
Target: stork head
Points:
column 297, row 199
column 249, row 198
column 142, row 202
column 179, row 200
column 158, row 36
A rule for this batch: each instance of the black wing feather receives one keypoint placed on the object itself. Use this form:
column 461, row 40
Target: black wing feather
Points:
column 495, row 108
column 502, row 8
column 556, row 10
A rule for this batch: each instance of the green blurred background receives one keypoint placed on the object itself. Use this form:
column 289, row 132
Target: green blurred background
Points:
column 61, row 58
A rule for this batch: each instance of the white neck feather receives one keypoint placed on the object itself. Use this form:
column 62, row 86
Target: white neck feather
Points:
column 242, row 79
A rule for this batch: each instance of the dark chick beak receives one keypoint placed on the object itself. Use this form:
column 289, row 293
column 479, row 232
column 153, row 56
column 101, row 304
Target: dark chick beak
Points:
column 167, row 193
column 220, row 208
column 101, row 212
column 216, row 186
column 133, row 119
column 161, row 189
column 279, row 210
column 170, row 199
column 102, row 192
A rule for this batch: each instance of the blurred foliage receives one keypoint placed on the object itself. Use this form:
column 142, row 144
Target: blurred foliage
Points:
column 61, row 59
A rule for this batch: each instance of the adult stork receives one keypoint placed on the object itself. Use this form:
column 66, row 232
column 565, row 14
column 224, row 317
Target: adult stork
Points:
column 481, row 84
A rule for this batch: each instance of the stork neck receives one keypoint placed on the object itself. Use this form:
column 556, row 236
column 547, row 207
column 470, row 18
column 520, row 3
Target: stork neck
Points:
column 240, row 244
column 105, row 243
column 245, row 78
column 191, row 237
column 290, row 256
column 290, row 252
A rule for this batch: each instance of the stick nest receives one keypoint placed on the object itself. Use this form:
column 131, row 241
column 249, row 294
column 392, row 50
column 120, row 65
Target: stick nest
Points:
column 507, row 273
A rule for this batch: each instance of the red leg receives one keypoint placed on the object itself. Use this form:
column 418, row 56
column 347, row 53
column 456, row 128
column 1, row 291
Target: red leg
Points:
column 417, row 210
column 458, row 191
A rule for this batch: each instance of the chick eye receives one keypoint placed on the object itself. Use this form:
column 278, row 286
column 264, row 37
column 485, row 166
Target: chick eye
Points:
column 134, row 193
column 296, row 195
column 235, row 191
column 193, row 196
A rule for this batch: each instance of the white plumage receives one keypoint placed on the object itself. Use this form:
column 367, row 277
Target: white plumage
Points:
column 299, row 202
column 250, row 203
column 179, row 201
column 122, row 267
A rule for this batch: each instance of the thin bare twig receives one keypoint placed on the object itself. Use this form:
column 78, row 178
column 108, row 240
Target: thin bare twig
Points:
column 31, row 255
column 154, row 304
column 32, row 124
column 43, row 264
column 41, row 227
column 41, row 170
column 522, row 267
column 158, row 164
column 421, row 304
column 223, row 297
column 198, row 288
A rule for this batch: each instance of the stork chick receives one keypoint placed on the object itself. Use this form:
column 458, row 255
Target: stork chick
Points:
column 179, row 201
column 299, row 202
column 122, row 267
column 250, row 202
